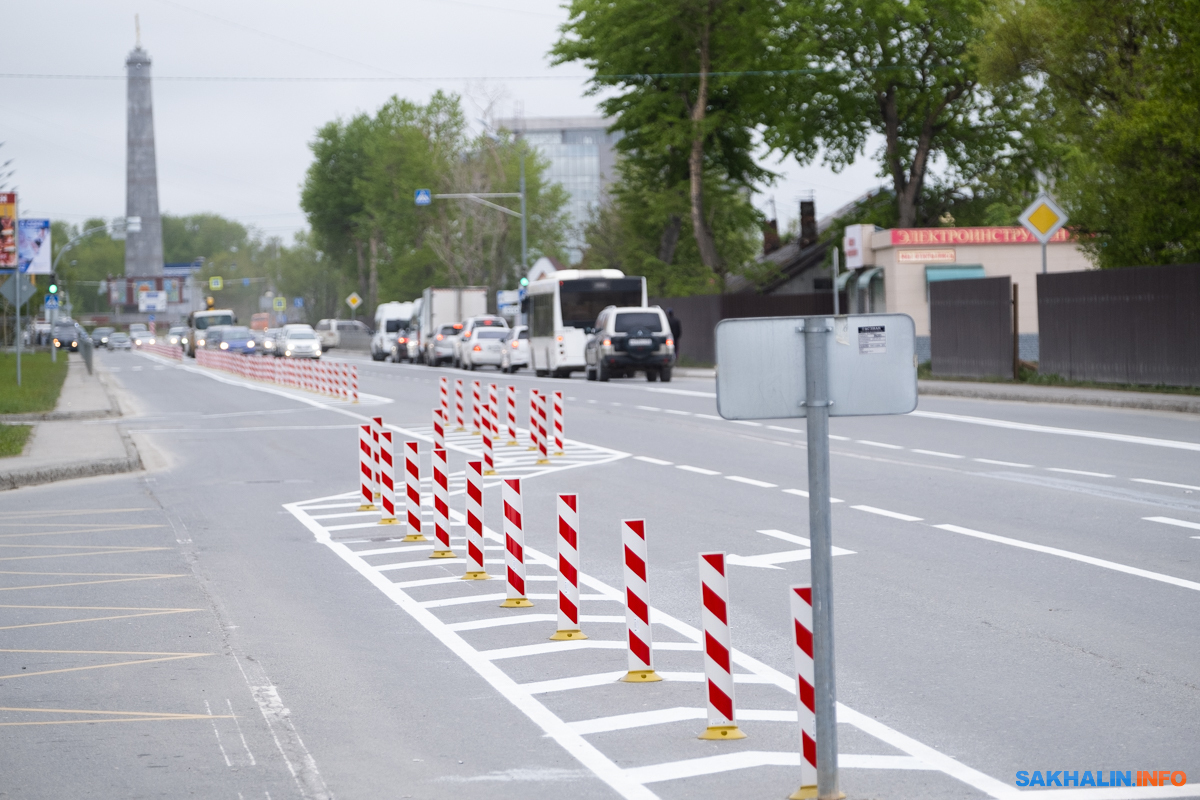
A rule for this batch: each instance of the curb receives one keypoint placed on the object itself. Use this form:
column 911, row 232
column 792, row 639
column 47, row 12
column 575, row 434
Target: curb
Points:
column 59, row 416
column 1104, row 398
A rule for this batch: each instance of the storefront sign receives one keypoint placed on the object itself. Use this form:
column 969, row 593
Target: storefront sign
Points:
column 959, row 236
column 941, row 256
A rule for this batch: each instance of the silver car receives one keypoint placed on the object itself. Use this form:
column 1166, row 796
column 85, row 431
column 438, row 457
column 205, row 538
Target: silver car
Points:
column 516, row 350
column 485, row 348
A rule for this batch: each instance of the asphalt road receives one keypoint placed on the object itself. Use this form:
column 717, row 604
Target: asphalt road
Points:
column 1017, row 587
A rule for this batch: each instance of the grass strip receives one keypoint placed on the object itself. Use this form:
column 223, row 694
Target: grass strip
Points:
column 13, row 439
column 41, row 382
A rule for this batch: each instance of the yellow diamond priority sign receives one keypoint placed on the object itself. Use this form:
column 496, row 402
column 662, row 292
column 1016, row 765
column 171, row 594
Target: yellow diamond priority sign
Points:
column 354, row 301
column 1043, row 218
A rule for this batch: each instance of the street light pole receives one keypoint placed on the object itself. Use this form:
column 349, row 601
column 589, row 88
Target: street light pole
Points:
column 524, row 256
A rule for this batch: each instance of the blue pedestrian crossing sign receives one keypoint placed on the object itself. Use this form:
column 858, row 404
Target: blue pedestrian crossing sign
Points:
column 51, row 301
column 422, row 197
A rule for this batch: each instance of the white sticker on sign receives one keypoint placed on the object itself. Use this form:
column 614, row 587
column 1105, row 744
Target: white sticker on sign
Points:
column 872, row 339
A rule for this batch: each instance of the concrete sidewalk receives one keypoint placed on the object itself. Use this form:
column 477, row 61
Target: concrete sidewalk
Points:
column 1111, row 398
column 67, row 442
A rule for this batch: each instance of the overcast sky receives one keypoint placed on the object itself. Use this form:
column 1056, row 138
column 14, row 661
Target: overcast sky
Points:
column 240, row 148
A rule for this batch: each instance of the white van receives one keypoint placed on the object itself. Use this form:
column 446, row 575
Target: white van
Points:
column 391, row 321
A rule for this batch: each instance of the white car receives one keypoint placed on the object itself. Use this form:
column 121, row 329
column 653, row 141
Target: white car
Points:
column 465, row 338
column 298, row 342
column 516, row 349
column 486, row 347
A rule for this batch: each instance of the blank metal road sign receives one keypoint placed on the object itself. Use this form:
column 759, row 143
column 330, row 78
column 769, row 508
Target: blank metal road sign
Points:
column 761, row 366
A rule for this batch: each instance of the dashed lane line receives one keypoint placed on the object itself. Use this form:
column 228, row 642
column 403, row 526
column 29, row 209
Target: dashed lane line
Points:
column 884, row 445
column 750, row 481
column 883, row 512
column 1179, row 523
column 1079, row 472
column 936, row 453
column 656, row 461
column 803, row 493
column 1002, row 463
column 1087, row 434
column 697, row 470
column 1165, row 483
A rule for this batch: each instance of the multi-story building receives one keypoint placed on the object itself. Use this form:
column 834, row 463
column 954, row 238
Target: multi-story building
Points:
column 582, row 159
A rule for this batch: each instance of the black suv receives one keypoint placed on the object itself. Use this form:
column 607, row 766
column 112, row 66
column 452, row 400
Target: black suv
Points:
column 630, row 340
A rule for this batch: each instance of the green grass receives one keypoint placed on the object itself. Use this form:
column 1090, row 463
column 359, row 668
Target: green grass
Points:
column 41, row 381
column 13, row 438
column 1031, row 377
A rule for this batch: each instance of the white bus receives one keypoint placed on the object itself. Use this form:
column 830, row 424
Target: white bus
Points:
column 562, row 311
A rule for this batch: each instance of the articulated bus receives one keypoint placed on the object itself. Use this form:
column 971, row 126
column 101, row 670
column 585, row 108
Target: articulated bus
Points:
column 562, row 311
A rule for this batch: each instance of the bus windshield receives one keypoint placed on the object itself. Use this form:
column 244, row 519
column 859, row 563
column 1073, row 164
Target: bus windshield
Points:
column 583, row 300
column 202, row 323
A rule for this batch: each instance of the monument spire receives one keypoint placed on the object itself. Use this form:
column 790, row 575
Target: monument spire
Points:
column 143, row 248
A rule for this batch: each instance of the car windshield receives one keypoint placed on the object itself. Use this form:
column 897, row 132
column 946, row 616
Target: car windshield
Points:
column 446, row 330
column 119, row 336
column 236, row 333
column 643, row 320
column 216, row 319
column 301, row 335
column 492, row 333
column 177, row 330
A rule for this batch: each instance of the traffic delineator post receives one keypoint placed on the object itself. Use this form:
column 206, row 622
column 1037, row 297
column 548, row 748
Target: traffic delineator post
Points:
column 802, row 648
column 354, row 383
column 514, row 544
column 718, row 648
column 510, row 405
column 387, row 479
column 441, row 504
column 376, row 429
column 533, row 439
column 568, row 570
column 366, row 470
column 412, row 486
column 458, row 404
column 475, row 549
column 543, row 430
column 557, row 424
column 489, row 455
column 444, row 397
column 637, row 603
column 476, row 430
column 439, row 428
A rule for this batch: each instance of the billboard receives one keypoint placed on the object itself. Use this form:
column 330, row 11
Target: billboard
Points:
column 152, row 300
column 33, row 246
column 8, row 230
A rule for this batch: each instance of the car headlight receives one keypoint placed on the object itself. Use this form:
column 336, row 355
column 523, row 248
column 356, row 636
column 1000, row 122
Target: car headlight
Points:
column 250, row 345
column 184, row 340
column 74, row 344
column 318, row 350
column 151, row 341
column 200, row 343
column 287, row 352
column 224, row 345
column 138, row 342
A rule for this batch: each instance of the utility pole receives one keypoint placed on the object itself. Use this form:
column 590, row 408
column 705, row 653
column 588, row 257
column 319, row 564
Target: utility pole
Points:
column 524, row 216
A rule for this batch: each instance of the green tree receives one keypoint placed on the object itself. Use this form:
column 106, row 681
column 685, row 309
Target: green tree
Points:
column 1121, row 85
column 680, row 78
column 902, row 70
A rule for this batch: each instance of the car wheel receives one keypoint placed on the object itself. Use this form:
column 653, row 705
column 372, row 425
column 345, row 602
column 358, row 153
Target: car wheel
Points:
column 602, row 372
column 651, row 375
column 665, row 374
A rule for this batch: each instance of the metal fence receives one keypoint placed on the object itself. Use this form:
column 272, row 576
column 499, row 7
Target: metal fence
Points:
column 700, row 314
column 971, row 333
column 1137, row 325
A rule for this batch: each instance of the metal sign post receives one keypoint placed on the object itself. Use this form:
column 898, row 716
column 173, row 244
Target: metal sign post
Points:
column 861, row 365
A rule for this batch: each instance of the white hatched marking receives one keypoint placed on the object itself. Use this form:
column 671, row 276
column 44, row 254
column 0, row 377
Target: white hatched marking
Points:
column 550, row 648
column 603, row 678
column 641, row 719
column 726, row 762
column 500, row 622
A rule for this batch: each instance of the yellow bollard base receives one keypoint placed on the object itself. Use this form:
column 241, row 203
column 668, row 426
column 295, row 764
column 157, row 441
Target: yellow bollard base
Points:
column 641, row 676
column 459, row 429
column 476, row 576
column 543, row 461
column 415, row 537
column 568, row 636
column 392, row 521
column 513, row 443
column 378, row 495
column 804, row 793
column 489, row 472
column 531, row 448
column 477, row 433
column 442, row 554
column 368, row 507
column 560, row 453
column 516, row 602
column 719, row 732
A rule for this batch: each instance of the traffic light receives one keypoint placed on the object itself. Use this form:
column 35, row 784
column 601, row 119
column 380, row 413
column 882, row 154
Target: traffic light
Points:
column 53, row 285
column 524, row 281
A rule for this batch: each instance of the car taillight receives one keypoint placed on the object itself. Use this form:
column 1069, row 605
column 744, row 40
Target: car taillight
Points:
column 608, row 342
column 560, row 338
column 402, row 340
column 514, row 345
column 439, row 337
column 670, row 342
column 477, row 349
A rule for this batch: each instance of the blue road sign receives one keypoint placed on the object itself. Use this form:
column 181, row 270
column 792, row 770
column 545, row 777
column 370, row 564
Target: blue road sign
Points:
column 283, row 319
column 51, row 301
column 298, row 302
column 245, row 281
column 422, row 197
column 150, row 318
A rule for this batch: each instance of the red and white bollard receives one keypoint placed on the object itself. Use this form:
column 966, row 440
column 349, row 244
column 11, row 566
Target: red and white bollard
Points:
column 366, row 470
column 557, row 423
column 439, row 428
column 345, row 370
column 387, row 479
column 476, row 428
column 514, row 545
column 510, row 407
column 637, row 603
column 444, row 396
column 568, row 569
column 533, row 438
column 458, row 404
column 489, row 455
column 376, row 429
column 718, row 649
column 543, row 430
column 354, row 383
column 441, row 503
column 802, row 623
column 475, row 569
column 412, row 487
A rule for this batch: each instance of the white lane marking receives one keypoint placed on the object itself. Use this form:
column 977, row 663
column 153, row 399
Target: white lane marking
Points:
column 605, row 678
column 1079, row 472
column 424, row 562
column 684, row 392
column 508, row 688
column 677, row 411
column 802, row 493
column 427, row 582
column 750, row 482
column 883, row 512
column 937, row 453
column 345, row 514
column 355, row 525
column 1022, row 426
column 1177, row 522
column 710, row 416
column 787, row 537
column 648, row 408
column 499, row 622
column 785, row 430
column 1002, row 463
column 748, row 759
column 839, row 438
column 745, row 422
column 641, row 719
column 1054, row 551
column 238, row 725
column 330, row 505
column 547, row 648
column 1165, row 483
column 217, row 733
column 698, row 470
column 880, row 444
column 650, row 460
column 492, row 598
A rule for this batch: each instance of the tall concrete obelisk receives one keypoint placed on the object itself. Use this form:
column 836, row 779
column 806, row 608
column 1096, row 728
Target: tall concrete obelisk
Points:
column 143, row 249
